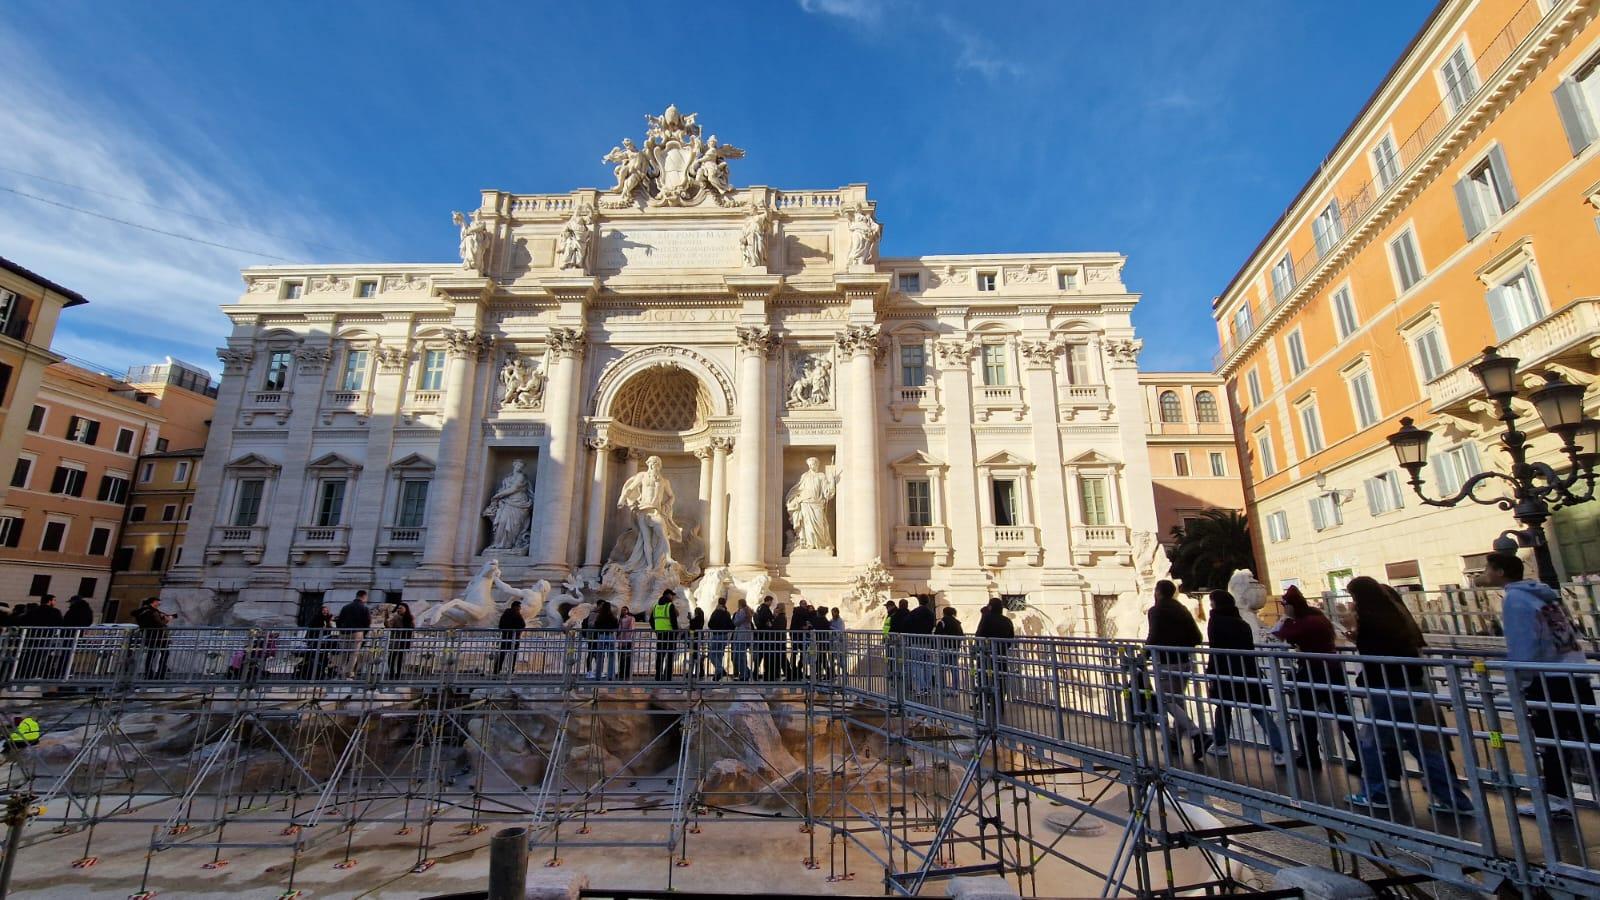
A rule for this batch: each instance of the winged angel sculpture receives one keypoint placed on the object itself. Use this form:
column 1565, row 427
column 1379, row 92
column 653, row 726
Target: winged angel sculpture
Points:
column 675, row 167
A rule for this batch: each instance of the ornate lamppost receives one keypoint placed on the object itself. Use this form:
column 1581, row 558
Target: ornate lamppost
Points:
column 1536, row 488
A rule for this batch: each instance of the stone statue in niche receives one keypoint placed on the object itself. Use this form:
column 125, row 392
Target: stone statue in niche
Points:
column 812, row 380
column 753, row 241
column 521, row 384
column 474, row 243
column 576, row 237
column 510, row 510
column 807, row 505
column 864, row 234
column 648, row 497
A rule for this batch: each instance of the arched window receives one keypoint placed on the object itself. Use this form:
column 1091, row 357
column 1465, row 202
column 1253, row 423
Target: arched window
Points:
column 1205, row 407
column 1171, row 409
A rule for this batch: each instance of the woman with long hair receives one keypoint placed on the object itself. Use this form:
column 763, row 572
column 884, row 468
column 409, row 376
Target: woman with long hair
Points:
column 1320, row 683
column 1399, row 699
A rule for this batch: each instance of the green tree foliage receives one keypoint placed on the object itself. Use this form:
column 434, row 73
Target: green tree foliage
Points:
column 1211, row 548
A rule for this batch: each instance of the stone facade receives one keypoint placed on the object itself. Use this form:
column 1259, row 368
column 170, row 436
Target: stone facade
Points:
column 980, row 417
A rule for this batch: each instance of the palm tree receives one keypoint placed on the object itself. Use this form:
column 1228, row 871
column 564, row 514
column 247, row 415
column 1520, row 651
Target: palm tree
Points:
column 1209, row 550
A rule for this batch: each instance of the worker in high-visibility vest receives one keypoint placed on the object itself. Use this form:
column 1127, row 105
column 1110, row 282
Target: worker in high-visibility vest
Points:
column 664, row 622
column 25, row 732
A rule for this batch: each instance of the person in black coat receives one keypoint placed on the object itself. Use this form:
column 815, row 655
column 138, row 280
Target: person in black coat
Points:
column 995, row 626
column 1171, row 625
column 354, row 620
column 511, row 627
column 948, row 632
column 79, row 614
column 720, row 628
column 765, row 658
column 1236, row 679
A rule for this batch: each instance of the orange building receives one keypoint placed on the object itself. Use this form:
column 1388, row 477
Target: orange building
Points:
column 69, row 484
column 1194, row 464
column 1457, row 212
column 30, row 304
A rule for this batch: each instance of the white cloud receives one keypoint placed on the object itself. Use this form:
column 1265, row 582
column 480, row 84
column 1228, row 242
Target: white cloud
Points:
column 150, row 295
column 976, row 53
column 970, row 50
column 864, row 12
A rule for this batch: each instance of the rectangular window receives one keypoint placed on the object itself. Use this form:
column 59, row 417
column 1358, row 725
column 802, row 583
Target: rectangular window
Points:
column 122, row 560
column 1515, row 304
column 1278, row 527
column 1383, row 493
column 910, row 282
column 366, row 289
column 1219, row 465
column 1328, row 228
column 99, row 540
column 1386, row 162
column 1269, row 463
column 292, row 290
column 1407, row 262
column 913, row 369
column 87, row 587
column 1069, row 279
column 9, row 306
column 1364, row 399
column 1078, row 364
column 330, row 502
column 1485, row 193
column 1297, row 352
column 1180, row 464
column 113, row 489
column 147, row 473
column 413, row 503
column 278, row 364
column 68, row 481
column 247, row 508
column 1578, row 102
column 136, row 514
column 1252, row 380
column 19, row 475
column 83, row 431
column 1005, row 501
column 994, row 364
column 187, row 509
column 355, row 370
column 1344, row 312
column 39, row 586
column 1430, row 353
column 161, row 445
column 55, row 534
column 919, row 502
column 158, row 560
column 1282, row 278
column 1242, row 323
column 1311, row 424
column 986, row 281
column 10, row 531
column 180, row 472
column 1325, row 512
column 36, row 419
column 432, row 371
column 1460, row 79
column 1454, row 466
column 169, row 512
column 1096, row 504
column 124, row 440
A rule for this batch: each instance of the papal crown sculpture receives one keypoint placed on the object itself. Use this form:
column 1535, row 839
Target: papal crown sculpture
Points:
column 674, row 167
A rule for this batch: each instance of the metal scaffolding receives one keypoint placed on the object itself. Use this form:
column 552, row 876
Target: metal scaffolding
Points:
column 922, row 759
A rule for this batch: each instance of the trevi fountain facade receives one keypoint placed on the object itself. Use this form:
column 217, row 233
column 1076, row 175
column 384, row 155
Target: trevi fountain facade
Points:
column 673, row 383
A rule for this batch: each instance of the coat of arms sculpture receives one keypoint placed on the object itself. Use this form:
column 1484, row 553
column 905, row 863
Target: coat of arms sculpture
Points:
column 675, row 167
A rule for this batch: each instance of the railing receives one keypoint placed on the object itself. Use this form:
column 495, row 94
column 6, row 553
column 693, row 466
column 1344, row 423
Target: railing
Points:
column 1011, row 535
column 999, row 394
column 269, row 398
column 427, row 399
column 1084, row 395
column 933, row 539
column 1101, row 536
column 230, row 537
column 1473, row 614
column 404, row 535
column 1572, row 326
column 912, row 394
column 807, row 200
column 548, row 203
column 345, row 399
column 1353, row 209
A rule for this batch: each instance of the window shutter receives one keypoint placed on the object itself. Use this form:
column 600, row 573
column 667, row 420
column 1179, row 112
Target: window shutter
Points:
column 1471, row 219
column 1502, row 176
column 105, row 488
column 1575, row 118
column 94, row 433
column 1395, row 494
column 1500, row 313
column 58, row 482
column 1374, row 503
column 1469, row 455
column 1317, row 520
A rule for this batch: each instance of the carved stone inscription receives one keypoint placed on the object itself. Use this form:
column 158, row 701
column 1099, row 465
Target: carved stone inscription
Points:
column 656, row 248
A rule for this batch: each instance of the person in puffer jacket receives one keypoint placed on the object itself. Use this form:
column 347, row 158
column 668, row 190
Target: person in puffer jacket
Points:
column 1539, row 629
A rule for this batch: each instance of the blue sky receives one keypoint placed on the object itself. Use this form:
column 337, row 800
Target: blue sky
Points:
column 1174, row 132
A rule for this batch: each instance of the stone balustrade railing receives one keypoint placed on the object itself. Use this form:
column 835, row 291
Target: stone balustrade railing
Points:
column 1565, row 329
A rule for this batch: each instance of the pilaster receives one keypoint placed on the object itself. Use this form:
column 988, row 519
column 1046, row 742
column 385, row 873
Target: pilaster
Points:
column 551, row 547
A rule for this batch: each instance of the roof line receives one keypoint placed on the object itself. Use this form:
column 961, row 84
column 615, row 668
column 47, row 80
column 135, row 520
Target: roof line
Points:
column 73, row 297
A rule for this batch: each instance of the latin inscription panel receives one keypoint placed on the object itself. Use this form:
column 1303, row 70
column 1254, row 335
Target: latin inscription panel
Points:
column 662, row 248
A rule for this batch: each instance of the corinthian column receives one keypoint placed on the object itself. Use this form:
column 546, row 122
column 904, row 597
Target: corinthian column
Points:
column 717, row 520
column 599, row 490
column 552, row 496
column 861, row 345
column 1040, row 358
column 463, row 349
column 756, row 346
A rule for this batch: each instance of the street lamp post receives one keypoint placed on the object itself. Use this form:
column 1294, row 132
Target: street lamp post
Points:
column 1536, row 487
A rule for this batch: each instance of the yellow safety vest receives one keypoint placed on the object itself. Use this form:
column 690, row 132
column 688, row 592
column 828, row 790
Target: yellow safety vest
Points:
column 26, row 732
column 661, row 617
column 888, row 620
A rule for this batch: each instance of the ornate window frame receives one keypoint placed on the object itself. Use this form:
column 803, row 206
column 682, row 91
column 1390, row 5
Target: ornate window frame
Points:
column 249, row 539
column 395, row 537
column 1114, row 537
column 934, row 537
column 924, row 398
column 1023, row 537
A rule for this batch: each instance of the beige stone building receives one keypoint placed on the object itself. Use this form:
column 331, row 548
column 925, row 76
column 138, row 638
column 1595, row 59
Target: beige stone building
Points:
column 1194, row 464
column 976, row 421
column 30, row 305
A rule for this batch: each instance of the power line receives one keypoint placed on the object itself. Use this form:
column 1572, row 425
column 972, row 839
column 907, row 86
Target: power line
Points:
column 179, row 212
column 174, row 234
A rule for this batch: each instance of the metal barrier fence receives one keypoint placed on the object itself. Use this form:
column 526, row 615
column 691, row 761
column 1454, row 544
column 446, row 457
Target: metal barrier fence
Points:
column 1471, row 770
column 1474, row 613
